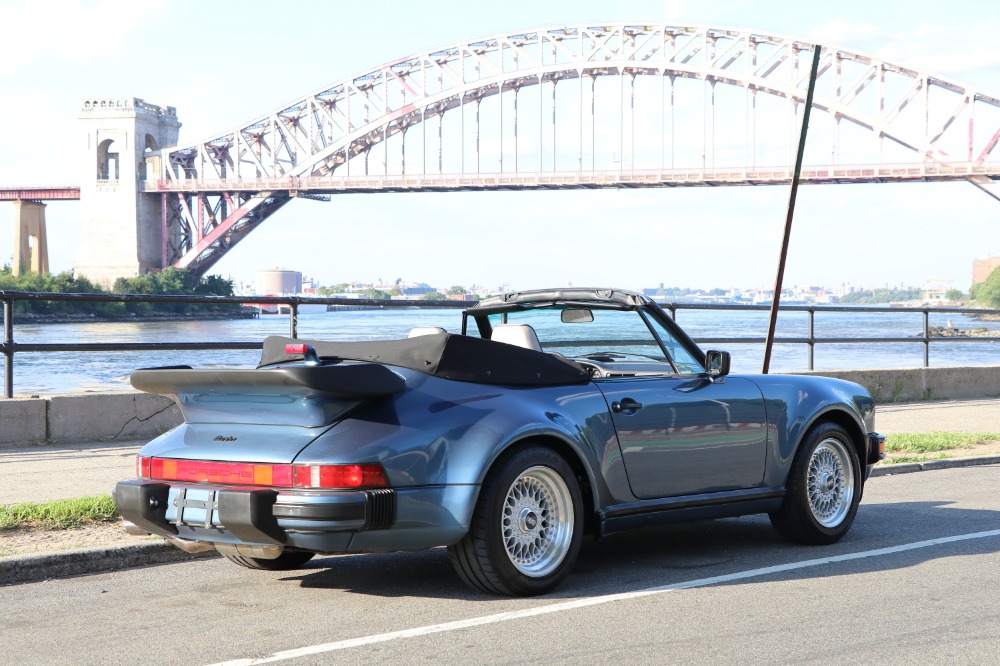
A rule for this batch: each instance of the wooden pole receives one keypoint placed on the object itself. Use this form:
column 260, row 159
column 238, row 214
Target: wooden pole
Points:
column 791, row 211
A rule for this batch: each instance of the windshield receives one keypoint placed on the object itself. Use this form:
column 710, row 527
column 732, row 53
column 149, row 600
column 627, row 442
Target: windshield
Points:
column 607, row 336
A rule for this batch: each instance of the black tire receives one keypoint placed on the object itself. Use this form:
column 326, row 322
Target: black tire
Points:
column 292, row 559
column 823, row 488
column 526, row 528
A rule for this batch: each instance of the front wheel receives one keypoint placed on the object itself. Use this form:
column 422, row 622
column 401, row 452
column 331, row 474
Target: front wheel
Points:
column 823, row 488
column 526, row 529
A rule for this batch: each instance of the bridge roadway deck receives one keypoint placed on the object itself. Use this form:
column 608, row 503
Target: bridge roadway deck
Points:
column 627, row 178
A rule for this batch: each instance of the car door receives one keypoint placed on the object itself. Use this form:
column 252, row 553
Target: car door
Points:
column 686, row 435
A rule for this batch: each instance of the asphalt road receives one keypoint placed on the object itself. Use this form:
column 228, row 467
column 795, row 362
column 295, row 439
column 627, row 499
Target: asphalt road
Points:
column 917, row 580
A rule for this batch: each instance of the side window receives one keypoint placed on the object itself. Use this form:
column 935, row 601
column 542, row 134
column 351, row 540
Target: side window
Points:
column 684, row 360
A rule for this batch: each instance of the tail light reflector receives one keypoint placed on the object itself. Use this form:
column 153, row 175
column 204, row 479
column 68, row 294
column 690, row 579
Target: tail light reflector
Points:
column 370, row 475
column 340, row 476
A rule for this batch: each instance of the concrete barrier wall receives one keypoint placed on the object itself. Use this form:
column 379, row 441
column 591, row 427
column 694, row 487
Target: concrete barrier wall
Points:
column 912, row 384
column 86, row 417
column 132, row 416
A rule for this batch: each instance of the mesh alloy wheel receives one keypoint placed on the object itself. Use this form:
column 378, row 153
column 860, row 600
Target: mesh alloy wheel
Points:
column 537, row 521
column 823, row 488
column 830, row 482
column 527, row 526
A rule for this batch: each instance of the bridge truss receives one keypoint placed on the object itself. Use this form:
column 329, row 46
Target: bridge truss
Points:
column 579, row 107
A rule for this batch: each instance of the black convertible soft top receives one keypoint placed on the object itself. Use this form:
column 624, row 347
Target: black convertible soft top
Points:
column 459, row 357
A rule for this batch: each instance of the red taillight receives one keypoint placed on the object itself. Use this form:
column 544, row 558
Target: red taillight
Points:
column 296, row 348
column 252, row 474
column 340, row 476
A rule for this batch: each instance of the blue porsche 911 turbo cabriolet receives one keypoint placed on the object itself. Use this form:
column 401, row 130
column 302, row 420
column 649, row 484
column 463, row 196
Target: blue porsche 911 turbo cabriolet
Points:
column 554, row 414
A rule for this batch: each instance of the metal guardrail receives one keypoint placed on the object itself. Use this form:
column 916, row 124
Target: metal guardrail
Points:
column 811, row 340
column 9, row 347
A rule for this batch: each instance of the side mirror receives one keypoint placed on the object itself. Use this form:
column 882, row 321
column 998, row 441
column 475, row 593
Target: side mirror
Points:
column 717, row 363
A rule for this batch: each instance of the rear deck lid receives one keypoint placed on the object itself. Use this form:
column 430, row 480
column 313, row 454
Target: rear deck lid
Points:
column 233, row 442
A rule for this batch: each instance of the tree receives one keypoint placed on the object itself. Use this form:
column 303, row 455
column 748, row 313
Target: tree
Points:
column 338, row 288
column 988, row 293
column 876, row 296
column 375, row 295
column 457, row 290
column 62, row 283
column 954, row 294
column 175, row 281
column 434, row 296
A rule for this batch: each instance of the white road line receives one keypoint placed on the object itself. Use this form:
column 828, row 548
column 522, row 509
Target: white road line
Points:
column 595, row 601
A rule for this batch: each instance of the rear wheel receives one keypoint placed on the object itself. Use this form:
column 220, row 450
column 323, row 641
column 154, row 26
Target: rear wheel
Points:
column 286, row 561
column 526, row 529
column 823, row 488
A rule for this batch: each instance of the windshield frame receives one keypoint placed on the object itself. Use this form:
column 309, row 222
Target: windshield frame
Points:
column 648, row 311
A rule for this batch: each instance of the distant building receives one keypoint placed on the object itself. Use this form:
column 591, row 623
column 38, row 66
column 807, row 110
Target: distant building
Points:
column 981, row 268
column 935, row 291
column 278, row 281
column 418, row 289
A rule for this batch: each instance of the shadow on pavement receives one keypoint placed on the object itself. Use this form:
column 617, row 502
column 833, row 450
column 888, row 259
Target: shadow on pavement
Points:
column 667, row 555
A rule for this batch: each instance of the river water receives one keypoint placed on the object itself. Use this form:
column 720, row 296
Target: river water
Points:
column 75, row 372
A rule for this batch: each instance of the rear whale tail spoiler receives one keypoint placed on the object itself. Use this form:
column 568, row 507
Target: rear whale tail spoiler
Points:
column 284, row 395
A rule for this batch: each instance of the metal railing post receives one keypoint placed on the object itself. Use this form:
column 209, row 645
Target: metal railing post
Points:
column 927, row 338
column 812, row 337
column 293, row 320
column 8, row 348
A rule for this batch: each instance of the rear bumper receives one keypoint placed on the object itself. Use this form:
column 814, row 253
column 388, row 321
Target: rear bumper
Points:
column 258, row 516
column 328, row 522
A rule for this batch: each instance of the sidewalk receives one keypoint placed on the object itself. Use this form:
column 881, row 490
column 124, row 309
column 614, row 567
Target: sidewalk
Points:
column 39, row 474
column 982, row 415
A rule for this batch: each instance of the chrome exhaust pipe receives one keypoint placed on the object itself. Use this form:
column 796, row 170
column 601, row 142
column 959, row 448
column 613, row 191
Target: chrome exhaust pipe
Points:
column 259, row 552
column 193, row 547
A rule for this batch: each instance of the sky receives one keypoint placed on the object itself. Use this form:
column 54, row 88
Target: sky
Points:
column 224, row 63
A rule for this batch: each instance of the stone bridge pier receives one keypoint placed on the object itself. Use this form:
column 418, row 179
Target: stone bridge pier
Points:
column 121, row 228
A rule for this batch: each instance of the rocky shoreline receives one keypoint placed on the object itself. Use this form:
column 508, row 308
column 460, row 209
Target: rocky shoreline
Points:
column 950, row 332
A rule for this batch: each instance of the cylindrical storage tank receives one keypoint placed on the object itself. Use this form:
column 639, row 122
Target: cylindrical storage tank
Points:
column 278, row 281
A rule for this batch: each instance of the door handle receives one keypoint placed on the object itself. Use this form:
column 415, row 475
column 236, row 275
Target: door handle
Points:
column 626, row 406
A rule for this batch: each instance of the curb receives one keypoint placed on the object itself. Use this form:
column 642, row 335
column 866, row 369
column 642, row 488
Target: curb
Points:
column 942, row 463
column 33, row 568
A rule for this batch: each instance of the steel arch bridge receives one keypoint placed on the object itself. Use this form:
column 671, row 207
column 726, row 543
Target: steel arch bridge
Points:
column 579, row 107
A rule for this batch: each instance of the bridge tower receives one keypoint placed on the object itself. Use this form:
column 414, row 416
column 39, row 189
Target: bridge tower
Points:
column 120, row 227
column 31, row 252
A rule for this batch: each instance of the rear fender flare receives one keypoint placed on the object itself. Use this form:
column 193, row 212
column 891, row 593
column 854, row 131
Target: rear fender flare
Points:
column 566, row 448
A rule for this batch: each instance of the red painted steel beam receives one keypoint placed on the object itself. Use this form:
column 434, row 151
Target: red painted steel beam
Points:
column 43, row 193
column 217, row 233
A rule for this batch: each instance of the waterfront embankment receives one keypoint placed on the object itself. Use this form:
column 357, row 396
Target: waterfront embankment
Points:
column 132, row 415
column 33, row 318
